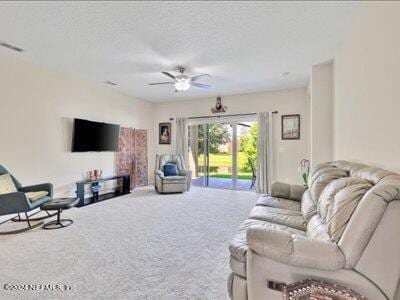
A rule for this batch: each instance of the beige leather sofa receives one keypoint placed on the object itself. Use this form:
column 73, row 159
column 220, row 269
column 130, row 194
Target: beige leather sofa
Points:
column 344, row 228
column 171, row 184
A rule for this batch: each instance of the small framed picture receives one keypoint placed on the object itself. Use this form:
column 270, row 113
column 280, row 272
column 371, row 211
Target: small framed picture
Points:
column 291, row 127
column 164, row 133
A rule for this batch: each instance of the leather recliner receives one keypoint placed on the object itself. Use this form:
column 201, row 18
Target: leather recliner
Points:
column 344, row 228
column 171, row 184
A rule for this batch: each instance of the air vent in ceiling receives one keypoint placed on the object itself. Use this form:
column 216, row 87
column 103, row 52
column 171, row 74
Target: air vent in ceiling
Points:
column 110, row 82
column 11, row 47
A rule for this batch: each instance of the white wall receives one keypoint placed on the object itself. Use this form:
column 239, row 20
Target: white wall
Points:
column 367, row 94
column 288, row 153
column 37, row 108
column 321, row 113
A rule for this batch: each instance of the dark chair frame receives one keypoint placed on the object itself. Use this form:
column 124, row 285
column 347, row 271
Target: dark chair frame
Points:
column 253, row 170
column 18, row 203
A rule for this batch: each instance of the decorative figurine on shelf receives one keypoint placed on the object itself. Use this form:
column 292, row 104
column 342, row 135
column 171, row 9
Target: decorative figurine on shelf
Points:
column 96, row 174
column 95, row 187
column 219, row 108
column 304, row 169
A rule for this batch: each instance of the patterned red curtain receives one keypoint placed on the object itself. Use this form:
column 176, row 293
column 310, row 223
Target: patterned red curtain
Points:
column 132, row 155
column 140, row 157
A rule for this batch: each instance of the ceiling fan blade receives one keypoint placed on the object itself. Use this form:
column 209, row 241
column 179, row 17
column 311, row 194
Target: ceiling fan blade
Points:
column 169, row 75
column 201, row 85
column 158, row 83
column 195, row 78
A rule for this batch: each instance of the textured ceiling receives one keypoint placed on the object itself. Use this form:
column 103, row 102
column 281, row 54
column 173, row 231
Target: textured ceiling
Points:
column 244, row 46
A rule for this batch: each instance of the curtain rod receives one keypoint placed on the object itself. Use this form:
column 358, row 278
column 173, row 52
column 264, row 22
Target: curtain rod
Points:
column 219, row 116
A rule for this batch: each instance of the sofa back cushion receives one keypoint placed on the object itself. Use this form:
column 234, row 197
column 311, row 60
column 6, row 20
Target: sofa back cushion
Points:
column 338, row 201
column 350, row 200
column 360, row 212
column 385, row 188
column 321, row 176
column 170, row 158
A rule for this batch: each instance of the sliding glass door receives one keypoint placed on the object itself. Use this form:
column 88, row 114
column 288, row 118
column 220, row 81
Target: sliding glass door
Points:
column 247, row 154
column 219, row 154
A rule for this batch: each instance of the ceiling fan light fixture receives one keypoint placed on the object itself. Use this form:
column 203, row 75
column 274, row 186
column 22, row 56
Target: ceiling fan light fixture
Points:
column 182, row 84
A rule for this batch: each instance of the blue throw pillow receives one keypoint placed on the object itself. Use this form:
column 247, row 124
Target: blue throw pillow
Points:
column 170, row 170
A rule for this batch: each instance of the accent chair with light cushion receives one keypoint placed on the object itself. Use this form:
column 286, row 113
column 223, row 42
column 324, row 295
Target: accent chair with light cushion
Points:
column 16, row 199
column 344, row 228
column 166, row 181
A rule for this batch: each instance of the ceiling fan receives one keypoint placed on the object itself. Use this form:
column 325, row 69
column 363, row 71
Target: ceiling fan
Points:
column 183, row 82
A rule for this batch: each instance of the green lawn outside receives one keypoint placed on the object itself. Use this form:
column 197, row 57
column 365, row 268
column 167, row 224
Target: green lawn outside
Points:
column 225, row 160
column 226, row 175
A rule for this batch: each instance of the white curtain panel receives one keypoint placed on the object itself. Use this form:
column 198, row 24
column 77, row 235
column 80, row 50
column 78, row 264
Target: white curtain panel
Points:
column 264, row 153
column 181, row 138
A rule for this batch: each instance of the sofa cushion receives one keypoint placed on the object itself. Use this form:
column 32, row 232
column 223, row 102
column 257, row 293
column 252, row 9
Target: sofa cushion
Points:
column 7, row 184
column 279, row 216
column 39, row 202
column 294, row 249
column 237, row 287
column 308, row 207
column 170, row 170
column 317, row 229
column 238, row 245
column 276, row 202
column 237, row 267
column 34, row 196
column 174, row 179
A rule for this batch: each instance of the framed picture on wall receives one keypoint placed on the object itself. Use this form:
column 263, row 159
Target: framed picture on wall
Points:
column 291, row 127
column 164, row 133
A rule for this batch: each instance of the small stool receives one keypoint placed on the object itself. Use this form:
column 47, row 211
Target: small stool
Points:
column 59, row 204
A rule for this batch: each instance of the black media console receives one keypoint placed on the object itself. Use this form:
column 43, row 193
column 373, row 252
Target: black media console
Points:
column 94, row 188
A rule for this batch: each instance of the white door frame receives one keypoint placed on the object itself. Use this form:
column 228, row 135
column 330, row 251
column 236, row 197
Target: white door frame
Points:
column 234, row 124
column 234, row 155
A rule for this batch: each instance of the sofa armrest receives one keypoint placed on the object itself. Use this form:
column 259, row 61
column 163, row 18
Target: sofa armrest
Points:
column 295, row 249
column 48, row 187
column 13, row 203
column 187, row 173
column 159, row 173
column 288, row 191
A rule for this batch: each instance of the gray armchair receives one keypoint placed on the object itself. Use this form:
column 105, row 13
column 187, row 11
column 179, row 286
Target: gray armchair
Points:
column 171, row 184
column 18, row 202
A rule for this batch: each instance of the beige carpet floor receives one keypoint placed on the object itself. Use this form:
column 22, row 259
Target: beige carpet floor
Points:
column 139, row 246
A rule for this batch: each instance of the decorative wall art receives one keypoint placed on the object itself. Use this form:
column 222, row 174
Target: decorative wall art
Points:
column 291, row 127
column 164, row 134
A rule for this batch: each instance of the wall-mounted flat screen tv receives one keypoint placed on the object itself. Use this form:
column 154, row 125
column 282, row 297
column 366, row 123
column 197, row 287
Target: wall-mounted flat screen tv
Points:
column 94, row 136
